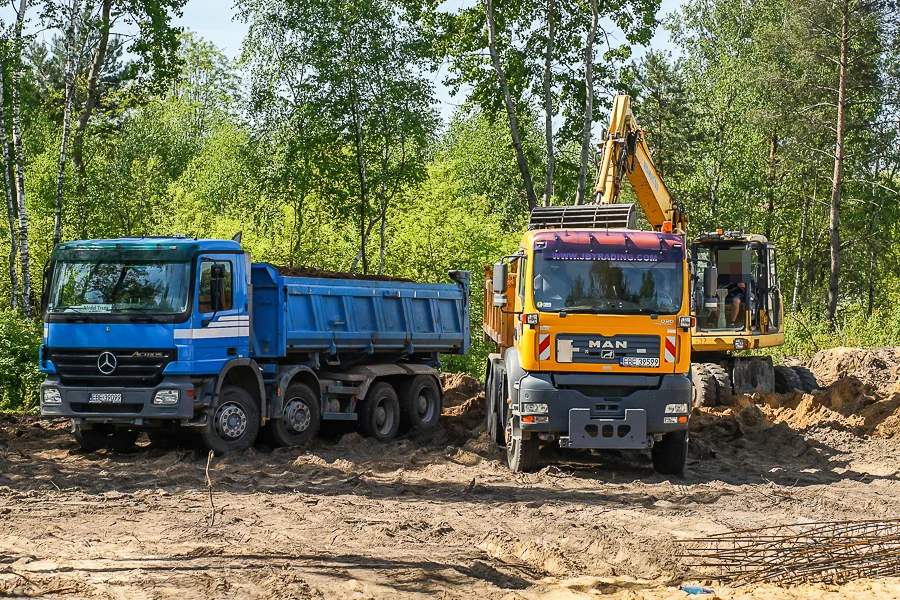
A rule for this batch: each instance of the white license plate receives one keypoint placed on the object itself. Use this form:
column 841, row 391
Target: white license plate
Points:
column 638, row 361
column 105, row 398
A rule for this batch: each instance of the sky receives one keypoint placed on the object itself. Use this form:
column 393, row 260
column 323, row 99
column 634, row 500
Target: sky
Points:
column 215, row 21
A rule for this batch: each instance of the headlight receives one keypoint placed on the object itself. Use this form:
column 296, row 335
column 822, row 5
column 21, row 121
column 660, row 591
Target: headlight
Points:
column 51, row 396
column 166, row 397
column 686, row 322
column 740, row 343
column 534, row 408
column 676, row 408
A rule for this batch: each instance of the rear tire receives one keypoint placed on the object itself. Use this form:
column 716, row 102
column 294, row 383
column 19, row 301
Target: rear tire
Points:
column 102, row 436
column 379, row 413
column 493, row 408
column 669, row 455
column 807, row 378
column 301, row 418
column 234, row 424
column 420, row 402
column 521, row 454
column 787, row 380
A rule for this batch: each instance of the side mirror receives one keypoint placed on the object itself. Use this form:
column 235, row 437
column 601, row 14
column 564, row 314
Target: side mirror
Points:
column 501, row 274
column 45, row 289
column 216, row 286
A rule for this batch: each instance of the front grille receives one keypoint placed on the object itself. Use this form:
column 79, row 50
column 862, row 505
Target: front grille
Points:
column 599, row 349
column 134, row 367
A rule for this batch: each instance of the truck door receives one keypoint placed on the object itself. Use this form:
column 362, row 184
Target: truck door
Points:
column 223, row 334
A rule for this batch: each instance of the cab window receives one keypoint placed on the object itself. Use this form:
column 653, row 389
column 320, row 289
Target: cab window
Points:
column 205, row 305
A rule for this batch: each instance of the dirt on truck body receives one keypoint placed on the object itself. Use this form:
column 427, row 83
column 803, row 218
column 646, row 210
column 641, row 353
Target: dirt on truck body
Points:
column 439, row 515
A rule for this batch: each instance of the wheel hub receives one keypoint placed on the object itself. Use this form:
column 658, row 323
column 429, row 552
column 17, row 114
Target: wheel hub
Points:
column 297, row 416
column 230, row 421
column 423, row 404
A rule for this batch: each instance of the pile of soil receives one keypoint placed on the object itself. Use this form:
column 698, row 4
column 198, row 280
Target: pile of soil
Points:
column 303, row 271
column 878, row 367
column 459, row 388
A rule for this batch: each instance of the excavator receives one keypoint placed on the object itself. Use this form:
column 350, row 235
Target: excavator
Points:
column 736, row 299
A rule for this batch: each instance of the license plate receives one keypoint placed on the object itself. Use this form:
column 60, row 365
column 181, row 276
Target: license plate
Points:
column 105, row 398
column 637, row 361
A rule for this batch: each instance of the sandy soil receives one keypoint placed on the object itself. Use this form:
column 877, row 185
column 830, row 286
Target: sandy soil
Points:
column 430, row 516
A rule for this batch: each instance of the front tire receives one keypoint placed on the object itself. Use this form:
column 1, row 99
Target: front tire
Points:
column 669, row 455
column 301, row 419
column 521, row 454
column 379, row 413
column 420, row 402
column 234, row 424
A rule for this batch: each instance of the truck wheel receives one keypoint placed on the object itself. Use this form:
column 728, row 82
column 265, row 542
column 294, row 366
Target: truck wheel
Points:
column 99, row 437
column 493, row 408
column 723, row 383
column 807, row 378
column 379, row 413
column 670, row 453
column 420, row 402
column 301, row 419
column 521, row 454
column 234, row 424
column 787, row 380
column 704, row 386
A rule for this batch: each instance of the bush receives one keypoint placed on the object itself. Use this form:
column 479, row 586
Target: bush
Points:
column 20, row 379
column 805, row 333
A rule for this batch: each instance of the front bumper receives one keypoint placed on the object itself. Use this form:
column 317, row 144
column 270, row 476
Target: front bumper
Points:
column 136, row 407
column 601, row 410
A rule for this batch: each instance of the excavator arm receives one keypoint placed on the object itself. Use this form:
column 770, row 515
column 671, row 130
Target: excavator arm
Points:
column 625, row 154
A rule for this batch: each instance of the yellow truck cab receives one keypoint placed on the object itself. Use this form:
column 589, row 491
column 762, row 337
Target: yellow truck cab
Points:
column 592, row 328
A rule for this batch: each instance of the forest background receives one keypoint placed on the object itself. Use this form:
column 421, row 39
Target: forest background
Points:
column 324, row 145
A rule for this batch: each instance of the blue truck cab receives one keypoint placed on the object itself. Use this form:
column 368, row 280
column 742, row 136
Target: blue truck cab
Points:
column 174, row 335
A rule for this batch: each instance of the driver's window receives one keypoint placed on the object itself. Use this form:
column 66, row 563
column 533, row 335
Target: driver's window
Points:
column 522, row 266
column 205, row 303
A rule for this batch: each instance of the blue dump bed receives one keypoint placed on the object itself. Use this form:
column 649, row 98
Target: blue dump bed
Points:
column 312, row 314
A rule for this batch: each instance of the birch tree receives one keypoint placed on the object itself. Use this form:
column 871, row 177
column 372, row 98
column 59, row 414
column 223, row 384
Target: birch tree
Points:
column 10, row 193
column 24, row 255
column 70, row 93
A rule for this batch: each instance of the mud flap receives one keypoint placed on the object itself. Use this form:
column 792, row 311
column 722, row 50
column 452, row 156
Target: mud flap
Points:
column 629, row 433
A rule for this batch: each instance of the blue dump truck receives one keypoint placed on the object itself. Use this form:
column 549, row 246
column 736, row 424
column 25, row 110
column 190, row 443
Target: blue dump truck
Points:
column 173, row 335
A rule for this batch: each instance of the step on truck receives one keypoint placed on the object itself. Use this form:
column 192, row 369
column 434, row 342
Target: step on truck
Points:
column 181, row 337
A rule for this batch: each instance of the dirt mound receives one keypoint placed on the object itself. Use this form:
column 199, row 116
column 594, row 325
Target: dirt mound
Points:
column 459, row 388
column 302, row 271
column 879, row 367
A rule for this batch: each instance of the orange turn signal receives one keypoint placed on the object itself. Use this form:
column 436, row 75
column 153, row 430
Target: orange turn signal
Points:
column 682, row 419
column 667, row 227
column 530, row 419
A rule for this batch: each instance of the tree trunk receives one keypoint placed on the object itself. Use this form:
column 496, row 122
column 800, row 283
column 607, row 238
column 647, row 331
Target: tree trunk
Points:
column 510, row 109
column 363, row 186
column 20, row 163
column 588, row 105
column 67, row 111
column 10, row 205
column 548, row 103
column 833, row 223
column 91, row 92
column 803, row 223
column 770, row 189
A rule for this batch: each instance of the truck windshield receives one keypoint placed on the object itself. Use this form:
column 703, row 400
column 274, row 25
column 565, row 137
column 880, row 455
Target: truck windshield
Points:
column 608, row 284
column 119, row 286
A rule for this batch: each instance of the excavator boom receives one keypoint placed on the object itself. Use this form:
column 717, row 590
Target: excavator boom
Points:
column 625, row 153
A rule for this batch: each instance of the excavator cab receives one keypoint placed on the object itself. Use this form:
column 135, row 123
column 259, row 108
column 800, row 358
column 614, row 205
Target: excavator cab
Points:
column 736, row 288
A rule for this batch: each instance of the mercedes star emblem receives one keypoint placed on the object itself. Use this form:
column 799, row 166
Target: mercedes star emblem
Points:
column 106, row 362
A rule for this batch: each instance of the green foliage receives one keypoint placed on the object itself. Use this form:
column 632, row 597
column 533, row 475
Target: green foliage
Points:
column 20, row 342
column 807, row 332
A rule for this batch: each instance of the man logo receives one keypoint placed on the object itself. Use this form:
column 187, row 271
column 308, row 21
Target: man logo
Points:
column 106, row 362
column 607, row 344
column 607, row 354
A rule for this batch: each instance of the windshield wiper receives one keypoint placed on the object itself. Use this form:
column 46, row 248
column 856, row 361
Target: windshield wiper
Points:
column 141, row 310
column 60, row 310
